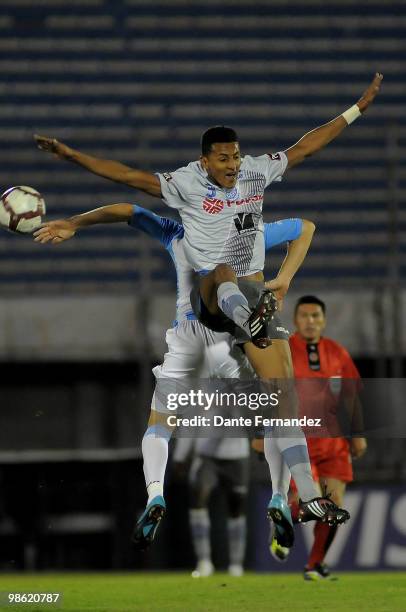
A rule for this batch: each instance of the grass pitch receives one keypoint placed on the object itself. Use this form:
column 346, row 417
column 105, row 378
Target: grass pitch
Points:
column 149, row 592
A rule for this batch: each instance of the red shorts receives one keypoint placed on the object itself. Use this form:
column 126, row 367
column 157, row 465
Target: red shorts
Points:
column 330, row 458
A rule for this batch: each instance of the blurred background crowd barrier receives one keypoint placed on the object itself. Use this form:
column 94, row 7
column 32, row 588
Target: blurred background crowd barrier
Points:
column 82, row 324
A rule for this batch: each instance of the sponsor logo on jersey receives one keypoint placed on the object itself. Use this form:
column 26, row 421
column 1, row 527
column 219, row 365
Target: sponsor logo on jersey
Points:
column 212, row 205
column 282, row 329
column 244, row 222
column 215, row 205
column 167, row 176
column 251, row 200
column 274, row 156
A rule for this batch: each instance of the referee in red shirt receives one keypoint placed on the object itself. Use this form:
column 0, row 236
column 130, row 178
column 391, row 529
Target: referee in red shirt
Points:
column 315, row 356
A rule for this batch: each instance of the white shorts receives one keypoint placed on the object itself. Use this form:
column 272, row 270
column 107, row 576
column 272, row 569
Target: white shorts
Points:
column 194, row 352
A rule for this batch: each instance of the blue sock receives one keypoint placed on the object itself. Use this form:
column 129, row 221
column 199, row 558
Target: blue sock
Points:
column 233, row 303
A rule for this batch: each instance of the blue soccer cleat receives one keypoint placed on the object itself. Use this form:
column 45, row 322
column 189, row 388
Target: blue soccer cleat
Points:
column 148, row 523
column 279, row 513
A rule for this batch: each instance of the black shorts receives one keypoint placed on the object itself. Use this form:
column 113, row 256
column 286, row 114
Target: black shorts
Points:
column 220, row 323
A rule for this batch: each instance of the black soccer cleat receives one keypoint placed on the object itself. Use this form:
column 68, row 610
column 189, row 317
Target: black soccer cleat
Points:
column 322, row 509
column 257, row 323
column 320, row 571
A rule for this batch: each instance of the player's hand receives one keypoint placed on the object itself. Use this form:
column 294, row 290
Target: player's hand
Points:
column 358, row 447
column 55, row 232
column 52, row 145
column 279, row 287
column 369, row 94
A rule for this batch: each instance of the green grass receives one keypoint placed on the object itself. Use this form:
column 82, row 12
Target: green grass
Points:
column 380, row 592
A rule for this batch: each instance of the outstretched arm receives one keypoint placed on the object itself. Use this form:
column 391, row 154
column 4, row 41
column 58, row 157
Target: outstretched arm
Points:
column 115, row 171
column 297, row 250
column 318, row 138
column 64, row 229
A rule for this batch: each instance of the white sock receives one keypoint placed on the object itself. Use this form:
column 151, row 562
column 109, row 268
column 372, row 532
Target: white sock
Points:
column 200, row 526
column 233, row 303
column 280, row 473
column 237, row 535
column 155, row 454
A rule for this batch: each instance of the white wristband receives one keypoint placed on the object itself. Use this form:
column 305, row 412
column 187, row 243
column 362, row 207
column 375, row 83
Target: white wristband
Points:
column 352, row 114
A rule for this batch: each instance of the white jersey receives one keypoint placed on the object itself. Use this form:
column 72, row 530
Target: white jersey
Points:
column 221, row 225
column 170, row 234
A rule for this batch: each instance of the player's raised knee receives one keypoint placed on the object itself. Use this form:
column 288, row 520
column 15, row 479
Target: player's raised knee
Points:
column 224, row 273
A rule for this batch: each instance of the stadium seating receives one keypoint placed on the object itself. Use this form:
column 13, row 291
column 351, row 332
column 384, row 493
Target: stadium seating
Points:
column 139, row 81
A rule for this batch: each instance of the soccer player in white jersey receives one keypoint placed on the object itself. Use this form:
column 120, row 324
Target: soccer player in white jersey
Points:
column 220, row 201
column 192, row 348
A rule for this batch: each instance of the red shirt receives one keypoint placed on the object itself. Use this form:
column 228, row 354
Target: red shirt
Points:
column 320, row 398
column 335, row 360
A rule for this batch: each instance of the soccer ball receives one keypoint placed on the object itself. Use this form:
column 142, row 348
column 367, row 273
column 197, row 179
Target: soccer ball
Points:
column 21, row 209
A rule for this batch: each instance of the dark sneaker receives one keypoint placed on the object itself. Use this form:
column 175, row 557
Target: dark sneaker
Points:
column 278, row 552
column 258, row 322
column 322, row 509
column 319, row 572
column 148, row 523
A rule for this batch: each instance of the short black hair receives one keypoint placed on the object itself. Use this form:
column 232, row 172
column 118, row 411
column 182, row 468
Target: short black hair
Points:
column 310, row 299
column 218, row 133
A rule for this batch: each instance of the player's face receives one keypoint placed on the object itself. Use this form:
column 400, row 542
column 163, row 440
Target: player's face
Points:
column 223, row 163
column 310, row 322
